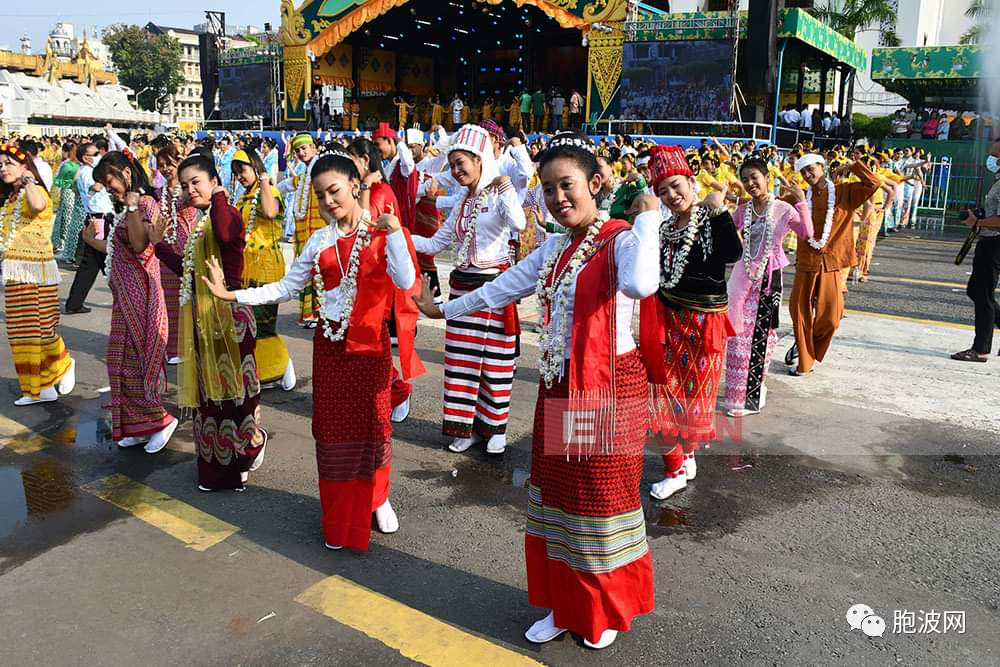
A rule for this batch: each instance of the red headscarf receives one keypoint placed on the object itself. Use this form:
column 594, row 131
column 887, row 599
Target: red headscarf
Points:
column 667, row 161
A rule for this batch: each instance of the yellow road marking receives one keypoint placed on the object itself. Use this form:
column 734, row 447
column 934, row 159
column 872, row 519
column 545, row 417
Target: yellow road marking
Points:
column 903, row 318
column 19, row 438
column 414, row 634
column 198, row 530
column 915, row 281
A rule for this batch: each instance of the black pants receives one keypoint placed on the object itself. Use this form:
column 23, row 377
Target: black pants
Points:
column 981, row 289
column 91, row 264
column 574, row 121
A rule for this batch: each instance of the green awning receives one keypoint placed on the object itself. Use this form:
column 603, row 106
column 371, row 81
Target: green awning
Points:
column 927, row 62
column 798, row 24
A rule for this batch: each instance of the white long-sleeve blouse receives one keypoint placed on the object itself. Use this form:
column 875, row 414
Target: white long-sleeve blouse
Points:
column 637, row 254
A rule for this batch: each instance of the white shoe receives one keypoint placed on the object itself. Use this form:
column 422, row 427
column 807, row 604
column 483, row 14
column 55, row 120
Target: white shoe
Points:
column 332, row 547
column 173, row 361
column 741, row 412
column 288, row 379
column 400, row 412
column 607, row 639
column 386, row 519
column 45, row 396
column 68, row 381
column 497, row 444
column 161, row 438
column 205, row 489
column 544, row 630
column 260, row 455
column 459, row 445
column 133, row 441
column 690, row 467
column 664, row 489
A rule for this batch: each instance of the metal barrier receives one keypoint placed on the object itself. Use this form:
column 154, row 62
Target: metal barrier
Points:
column 933, row 204
column 245, row 124
column 692, row 128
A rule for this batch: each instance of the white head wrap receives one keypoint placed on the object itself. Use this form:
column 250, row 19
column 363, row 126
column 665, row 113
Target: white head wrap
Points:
column 809, row 159
column 414, row 136
column 476, row 140
column 643, row 161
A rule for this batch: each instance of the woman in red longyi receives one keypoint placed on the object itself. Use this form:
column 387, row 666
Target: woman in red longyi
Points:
column 585, row 542
column 360, row 269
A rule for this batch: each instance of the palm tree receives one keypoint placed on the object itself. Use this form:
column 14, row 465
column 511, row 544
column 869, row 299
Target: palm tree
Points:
column 849, row 17
column 980, row 11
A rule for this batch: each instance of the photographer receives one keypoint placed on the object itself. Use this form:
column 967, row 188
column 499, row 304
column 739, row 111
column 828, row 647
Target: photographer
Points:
column 985, row 267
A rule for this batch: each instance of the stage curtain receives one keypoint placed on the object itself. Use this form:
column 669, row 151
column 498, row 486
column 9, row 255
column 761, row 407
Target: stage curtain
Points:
column 335, row 68
column 417, row 75
column 377, row 71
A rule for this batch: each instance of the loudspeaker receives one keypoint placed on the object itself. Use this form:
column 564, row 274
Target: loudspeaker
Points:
column 208, row 55
column 762, row 44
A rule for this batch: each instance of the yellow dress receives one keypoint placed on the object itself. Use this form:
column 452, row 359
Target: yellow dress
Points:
column 263, row 263
column 304, row 228
column 514, row 113
column 437, row 114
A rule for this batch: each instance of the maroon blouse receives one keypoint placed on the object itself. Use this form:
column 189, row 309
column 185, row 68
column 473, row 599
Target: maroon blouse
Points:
column 227, row 223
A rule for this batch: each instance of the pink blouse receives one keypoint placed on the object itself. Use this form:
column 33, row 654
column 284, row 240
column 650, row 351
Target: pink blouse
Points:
column 786, row 218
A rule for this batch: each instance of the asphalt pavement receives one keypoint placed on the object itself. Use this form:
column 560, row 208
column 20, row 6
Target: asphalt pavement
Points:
column 873, row 482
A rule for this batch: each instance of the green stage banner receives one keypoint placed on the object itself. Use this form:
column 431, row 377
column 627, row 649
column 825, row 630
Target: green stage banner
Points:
column 798, row 24
column 928, row 62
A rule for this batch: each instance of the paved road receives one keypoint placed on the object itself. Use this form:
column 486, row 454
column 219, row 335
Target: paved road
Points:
column 112, row 557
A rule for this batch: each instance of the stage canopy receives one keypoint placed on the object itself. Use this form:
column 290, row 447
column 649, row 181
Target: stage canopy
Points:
column 314, row 36
column 945, row 76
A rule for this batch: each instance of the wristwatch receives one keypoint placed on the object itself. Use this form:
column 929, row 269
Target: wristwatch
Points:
column 365, row 186
column 132, row 208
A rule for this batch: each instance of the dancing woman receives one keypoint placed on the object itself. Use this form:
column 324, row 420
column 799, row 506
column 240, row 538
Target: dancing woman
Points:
column 217, row 378
column 179, row 217
column 755, row 287
column 137, row 341
column 585, row 543
column 262, row 211
column 684, row 326
column 481, row 345
column 359, row 271
column 305, row 209
column 64, row 181
column 31, row 282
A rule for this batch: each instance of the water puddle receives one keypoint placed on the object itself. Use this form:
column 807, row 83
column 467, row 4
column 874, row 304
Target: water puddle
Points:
column 82, row 431
column 43, row 488
column 671, row 517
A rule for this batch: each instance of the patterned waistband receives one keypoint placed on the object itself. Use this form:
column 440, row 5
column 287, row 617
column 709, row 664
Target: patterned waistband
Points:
column 587, row 543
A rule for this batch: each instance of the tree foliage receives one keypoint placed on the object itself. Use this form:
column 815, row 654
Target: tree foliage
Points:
column 849, row 17
column 980, row 11
column 149, row 64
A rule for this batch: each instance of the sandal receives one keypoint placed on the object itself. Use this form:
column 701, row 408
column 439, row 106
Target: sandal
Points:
column 970, row 355
column 795, row 372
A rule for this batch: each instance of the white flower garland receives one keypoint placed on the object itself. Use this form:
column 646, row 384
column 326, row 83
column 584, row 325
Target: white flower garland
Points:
column 168, row 209
column 302, row 193
column 675, row 262
column 831, row 203
column 253, row 214
column 552, row 344
column 14, row 222
column 109, row 241
column 470, row 231
column 764, row 251
column 349, row 276
column 187, row 277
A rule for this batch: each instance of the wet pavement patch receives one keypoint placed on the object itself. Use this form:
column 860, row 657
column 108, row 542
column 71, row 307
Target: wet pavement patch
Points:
column 31, row 491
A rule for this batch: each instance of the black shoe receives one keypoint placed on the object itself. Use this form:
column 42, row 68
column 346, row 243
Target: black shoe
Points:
column 78, row 311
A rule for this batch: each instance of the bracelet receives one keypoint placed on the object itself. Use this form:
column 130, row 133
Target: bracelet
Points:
column 715, row 212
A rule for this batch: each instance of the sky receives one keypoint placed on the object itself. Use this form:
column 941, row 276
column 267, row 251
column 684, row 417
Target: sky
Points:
column 38, row 18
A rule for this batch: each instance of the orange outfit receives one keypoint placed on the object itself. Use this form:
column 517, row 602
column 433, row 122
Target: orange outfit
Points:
column 817, row 303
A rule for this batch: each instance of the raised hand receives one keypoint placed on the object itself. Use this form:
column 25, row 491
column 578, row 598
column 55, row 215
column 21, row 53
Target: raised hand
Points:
column 795, row 192
column 425, row 302
column 387, row 222
column 216, row 280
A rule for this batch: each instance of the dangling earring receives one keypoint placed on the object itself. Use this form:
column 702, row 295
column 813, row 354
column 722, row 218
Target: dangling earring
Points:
column 357, row 194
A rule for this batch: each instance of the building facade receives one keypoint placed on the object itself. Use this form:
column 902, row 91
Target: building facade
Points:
column 918, row 23
column 186, row 106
